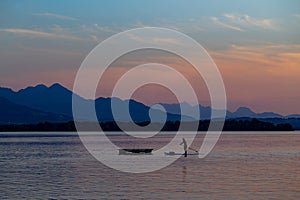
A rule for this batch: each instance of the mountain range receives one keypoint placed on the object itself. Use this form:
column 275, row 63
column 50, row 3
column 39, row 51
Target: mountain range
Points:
column 56, row 100
column 54, row 104
column 205, row 112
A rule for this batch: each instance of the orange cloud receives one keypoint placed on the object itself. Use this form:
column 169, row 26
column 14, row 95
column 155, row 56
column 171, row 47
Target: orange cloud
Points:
column 264, row 77
column 35, row 33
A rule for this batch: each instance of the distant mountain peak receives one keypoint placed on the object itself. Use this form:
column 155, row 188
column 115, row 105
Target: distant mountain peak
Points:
column 5, row 88
column 59, row 88
column 241, row 112
column 8, row 90
column 268, row 115
column 244, row 109
column 39, row 87
column 42, row 87
column 56, row 85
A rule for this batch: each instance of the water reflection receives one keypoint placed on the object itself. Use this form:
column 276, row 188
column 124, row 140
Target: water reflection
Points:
column 240, row 167
column 184, row 173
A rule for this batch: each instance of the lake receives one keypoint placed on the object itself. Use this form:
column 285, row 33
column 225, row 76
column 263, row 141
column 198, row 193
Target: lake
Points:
column 241, row 166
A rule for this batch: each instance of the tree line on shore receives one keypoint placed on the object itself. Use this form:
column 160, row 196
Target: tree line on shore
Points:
column 203, row 125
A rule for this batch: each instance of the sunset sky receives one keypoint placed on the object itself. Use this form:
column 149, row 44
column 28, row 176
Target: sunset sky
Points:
column 255, row 44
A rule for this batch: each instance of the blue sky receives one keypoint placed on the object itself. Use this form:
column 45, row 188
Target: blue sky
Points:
column 255, row 43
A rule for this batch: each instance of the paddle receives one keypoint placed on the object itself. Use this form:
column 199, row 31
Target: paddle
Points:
column 193, row 149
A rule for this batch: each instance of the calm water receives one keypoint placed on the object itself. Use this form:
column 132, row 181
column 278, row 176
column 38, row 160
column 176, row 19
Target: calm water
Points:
column 241, row 166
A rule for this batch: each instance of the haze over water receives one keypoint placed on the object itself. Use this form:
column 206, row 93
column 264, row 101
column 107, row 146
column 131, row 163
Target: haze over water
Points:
column 241, row 166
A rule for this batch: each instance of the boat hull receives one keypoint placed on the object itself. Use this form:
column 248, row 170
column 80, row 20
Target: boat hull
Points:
column 135, row 151
column 172, row 153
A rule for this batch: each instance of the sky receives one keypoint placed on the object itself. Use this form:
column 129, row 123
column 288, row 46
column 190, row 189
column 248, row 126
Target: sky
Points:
column 255, row 44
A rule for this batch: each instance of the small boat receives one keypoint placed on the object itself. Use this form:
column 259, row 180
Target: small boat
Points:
column 135, row 151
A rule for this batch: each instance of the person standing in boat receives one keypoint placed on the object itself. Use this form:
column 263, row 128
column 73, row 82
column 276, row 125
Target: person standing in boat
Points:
column 184, row 146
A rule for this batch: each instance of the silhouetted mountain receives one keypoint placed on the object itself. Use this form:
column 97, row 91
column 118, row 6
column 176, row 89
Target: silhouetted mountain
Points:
column 57, row 99
column 242, row 112
column 182, row 108
column 138, row 111
column 293, row 116
column 246, row 112
column 205, row 112
column 12, row 113
column 268, row 115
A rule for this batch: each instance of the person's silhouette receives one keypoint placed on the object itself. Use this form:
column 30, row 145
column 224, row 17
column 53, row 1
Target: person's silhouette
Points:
column 184, row 147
